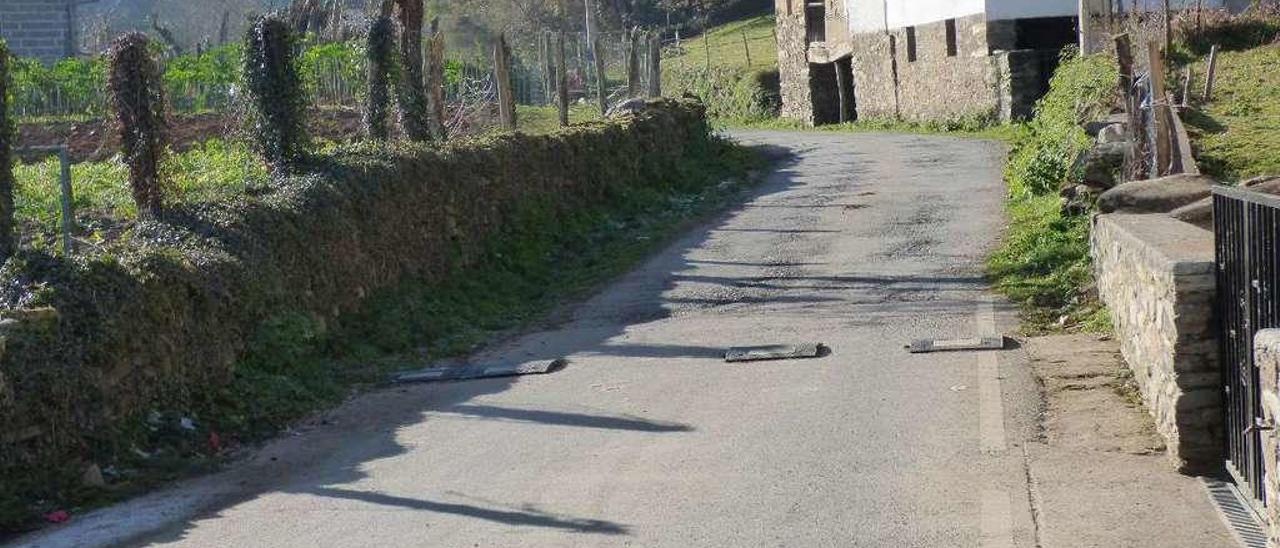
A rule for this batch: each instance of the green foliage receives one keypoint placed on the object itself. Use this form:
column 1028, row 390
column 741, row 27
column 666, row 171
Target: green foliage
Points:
column 137, row 98
column 197, row 83
column 1237, row 134
column 193, row 83
column 70, row 86
column 8, row 237
column 411, row 87
column 380, row 48
column 271, row 76
column 1082, row 90
column 1043, row 264
column 731, row 94
column 738, row 87
column 211, row 171
column 259, row 308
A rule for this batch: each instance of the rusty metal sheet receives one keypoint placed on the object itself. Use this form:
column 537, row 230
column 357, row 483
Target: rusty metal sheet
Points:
column 773, row 352
column 924, row 346
column 436, row 374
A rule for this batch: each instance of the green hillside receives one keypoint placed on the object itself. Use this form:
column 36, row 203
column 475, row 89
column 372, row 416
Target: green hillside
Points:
column 738, row 80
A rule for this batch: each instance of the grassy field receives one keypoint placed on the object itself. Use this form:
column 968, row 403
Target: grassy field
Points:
column 728, row 48
column 1237, row 134
column 733, row 68
column 214, row 170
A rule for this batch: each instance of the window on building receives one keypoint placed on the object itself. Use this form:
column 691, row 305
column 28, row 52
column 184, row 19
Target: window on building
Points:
column 911, row 44
column 951, row 38
column 815, row 20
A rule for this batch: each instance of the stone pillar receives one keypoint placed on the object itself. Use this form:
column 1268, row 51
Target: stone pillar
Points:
column 1266, row 351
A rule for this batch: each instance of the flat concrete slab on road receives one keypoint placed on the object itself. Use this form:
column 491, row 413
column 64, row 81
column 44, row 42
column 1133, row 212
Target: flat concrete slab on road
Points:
column 862, row 241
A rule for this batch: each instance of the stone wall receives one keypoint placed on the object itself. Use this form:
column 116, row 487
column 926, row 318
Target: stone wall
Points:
column 939, row 87
column 793, row 61
column 936, row 83
column 875, row 77
column 37, row 28
column 1156, row 274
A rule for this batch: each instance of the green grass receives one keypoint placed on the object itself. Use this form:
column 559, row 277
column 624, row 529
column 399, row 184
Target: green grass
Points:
column 530, row 119
column 739, row 84
column 963, row 127
column 727, row 47
column 1237, row 134
column 1043, row 262
column 215, row 169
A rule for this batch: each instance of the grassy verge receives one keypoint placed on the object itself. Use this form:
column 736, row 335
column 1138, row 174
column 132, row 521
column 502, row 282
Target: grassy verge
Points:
column 1237, row 134
column 962, row 127
column 1043, row 263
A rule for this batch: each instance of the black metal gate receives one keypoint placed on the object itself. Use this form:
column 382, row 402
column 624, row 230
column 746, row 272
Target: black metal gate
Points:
column 1247, row 234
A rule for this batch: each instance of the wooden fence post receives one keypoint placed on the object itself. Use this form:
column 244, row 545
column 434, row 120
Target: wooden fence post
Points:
column 633, row 63
column 1159, row 111
column 706, row 44
column 548, row 67
column 1168, row 29
column 1124, row 57
column 435, row 83
column 1185, row 97
column 502, row 76
column 746, row 47
column 655, row 65
column 562, row 81
column 1211, row 73
column 602, row 87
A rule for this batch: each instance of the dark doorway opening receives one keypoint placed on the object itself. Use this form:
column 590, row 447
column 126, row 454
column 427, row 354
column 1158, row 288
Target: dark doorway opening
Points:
column 832, row 88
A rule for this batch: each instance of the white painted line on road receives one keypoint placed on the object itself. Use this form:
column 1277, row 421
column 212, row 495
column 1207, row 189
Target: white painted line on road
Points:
column 997, row 520
column 990, row 404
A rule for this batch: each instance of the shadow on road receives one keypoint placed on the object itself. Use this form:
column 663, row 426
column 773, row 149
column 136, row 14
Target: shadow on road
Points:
column 329, row 460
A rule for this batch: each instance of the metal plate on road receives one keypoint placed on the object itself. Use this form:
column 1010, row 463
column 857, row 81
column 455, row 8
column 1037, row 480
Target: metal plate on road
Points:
column 773, row 352
column 435, row 374
column 924, row 346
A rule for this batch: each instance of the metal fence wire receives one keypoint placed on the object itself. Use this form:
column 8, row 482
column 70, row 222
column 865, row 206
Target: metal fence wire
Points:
column 335, row 77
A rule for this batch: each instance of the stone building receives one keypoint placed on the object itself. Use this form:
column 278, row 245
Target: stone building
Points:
column 43, row 29
column 918, row 59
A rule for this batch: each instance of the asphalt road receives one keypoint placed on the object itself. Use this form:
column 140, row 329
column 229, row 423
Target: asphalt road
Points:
column 860, row 241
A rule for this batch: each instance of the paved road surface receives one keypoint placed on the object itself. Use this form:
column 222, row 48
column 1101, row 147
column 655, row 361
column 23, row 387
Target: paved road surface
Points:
column 862, row 242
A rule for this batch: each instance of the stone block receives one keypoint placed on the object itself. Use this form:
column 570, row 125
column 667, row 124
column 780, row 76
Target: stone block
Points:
column 1156, row 275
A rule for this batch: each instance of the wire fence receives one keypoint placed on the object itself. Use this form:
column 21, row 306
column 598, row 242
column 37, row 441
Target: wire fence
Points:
column 335, row 77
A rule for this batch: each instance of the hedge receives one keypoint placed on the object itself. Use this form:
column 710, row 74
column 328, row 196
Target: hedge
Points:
column 98, row 345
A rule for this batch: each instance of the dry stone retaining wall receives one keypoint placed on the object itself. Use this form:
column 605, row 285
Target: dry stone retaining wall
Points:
column 1157, row 276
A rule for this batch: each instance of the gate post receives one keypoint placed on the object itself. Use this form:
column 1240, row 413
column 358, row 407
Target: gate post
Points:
column 1266, row 349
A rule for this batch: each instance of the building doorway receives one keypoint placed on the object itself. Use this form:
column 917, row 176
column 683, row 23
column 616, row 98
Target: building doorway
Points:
column 832, row 88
